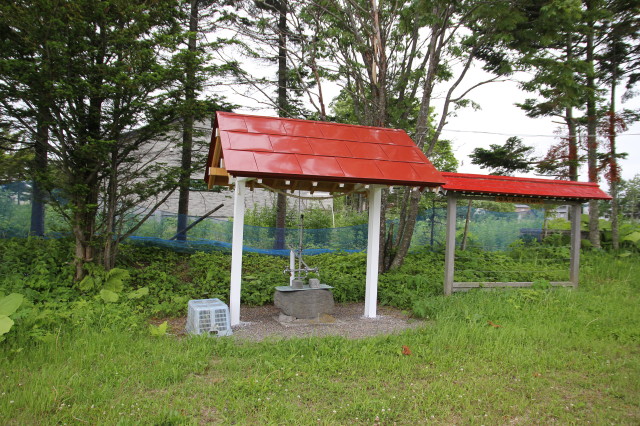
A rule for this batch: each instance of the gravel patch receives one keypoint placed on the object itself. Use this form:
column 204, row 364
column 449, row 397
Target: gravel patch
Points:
column 262, row 322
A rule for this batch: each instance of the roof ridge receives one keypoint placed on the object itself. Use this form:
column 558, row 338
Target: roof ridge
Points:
column 518, row 178
column 312, row 121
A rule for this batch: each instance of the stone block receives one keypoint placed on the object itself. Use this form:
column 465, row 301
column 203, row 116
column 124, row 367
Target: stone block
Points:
column 310, row 303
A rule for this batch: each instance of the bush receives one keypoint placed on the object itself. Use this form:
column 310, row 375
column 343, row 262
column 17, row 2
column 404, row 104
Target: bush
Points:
column 154, row 282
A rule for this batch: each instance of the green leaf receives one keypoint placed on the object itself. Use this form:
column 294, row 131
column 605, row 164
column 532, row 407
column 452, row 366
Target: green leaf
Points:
column 9, row 304
column 141, row 292
column 87, row 283
column 115, row 279
column 118, row 273
column 634, row 237
column 159, row 330
column 5, row 324
column 109, row 296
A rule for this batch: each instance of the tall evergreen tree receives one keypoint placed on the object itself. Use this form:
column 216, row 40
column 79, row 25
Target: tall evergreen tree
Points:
column 620, row 35
column 100, row 68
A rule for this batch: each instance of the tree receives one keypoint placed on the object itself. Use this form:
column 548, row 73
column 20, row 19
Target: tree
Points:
column 505, row 159
column 567, row 74
column 629, row 198
column 15, row 157
column 191, row 58
column 557, row 79
column 196, row 71
column 273, row 34
column 35, row 92
column 101, row 68
column 620, row 39
column 389, row 58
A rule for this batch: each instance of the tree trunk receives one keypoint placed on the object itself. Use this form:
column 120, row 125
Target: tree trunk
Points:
column 283, row 111
column 188, row 121
column 281, row 218
column 573, row 144
column 433, row 222
column 400, row 250
column 613, row 164
column 592, row 143
column 39, row 175
column 463, row 244
column 405, row 234
column 109, row 247
column 571, row 126
column 84, row 224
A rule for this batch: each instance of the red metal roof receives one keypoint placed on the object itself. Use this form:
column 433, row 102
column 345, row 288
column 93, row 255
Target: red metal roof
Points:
column 522, row 187
column 282, row 148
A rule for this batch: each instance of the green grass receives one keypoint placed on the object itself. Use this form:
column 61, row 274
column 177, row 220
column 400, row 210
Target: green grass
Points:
column 564, row 356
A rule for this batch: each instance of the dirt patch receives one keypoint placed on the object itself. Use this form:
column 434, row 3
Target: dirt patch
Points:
column 261, row 322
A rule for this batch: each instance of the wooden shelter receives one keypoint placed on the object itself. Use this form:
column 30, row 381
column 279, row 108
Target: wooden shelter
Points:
column 286, row 155
column 514, row 190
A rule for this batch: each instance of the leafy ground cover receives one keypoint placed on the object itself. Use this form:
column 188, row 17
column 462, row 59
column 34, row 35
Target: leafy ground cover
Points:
column 527, row 356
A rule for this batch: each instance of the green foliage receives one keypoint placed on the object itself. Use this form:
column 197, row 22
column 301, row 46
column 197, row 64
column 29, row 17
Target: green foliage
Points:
column 41, row 270
column 485, row 357
column 14, row 163
column 505, row 159
column 158, row 330
column 153, row 282
column 8, row 306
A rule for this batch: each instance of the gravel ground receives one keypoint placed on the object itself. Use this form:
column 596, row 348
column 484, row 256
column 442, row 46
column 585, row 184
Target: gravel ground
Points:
column 261, row 322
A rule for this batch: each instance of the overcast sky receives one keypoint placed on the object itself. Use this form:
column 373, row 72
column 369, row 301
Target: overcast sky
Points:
column 499, row 119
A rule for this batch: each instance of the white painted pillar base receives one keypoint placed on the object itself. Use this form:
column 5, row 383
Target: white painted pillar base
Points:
column 236, row 251
column 576, row 239
column 450, row 250
column 373, row 252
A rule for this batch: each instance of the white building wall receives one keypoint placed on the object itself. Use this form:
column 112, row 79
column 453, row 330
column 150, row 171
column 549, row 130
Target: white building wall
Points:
column 201, row 202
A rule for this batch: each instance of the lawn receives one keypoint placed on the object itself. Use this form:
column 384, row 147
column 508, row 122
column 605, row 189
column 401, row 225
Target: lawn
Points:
column 531, row 356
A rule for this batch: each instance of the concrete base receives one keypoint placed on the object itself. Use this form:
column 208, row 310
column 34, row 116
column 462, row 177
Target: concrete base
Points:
column 322, row 320
column 306, row 304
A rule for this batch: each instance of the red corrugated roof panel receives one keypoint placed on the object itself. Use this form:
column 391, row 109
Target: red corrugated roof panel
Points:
column 357, row 168
column 522, row 187
column 396, row 171
column 249, row 142
column 329, row 147
column 399, row 137
column 403, row 153
column 370, row 151
column 277, row 163
column 309, row 150
column 232, row 123
column 302, row 128
column 290, row 144
column 313, row 165
column 241, row 160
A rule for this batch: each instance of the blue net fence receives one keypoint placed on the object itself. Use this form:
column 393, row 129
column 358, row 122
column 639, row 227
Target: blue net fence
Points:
column 487, row 230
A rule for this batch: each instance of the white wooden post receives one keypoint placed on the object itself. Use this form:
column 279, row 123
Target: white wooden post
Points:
column 450, row 248
column 373, row 252
column 236, row 251
column 576, row 237
column 292, row 266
